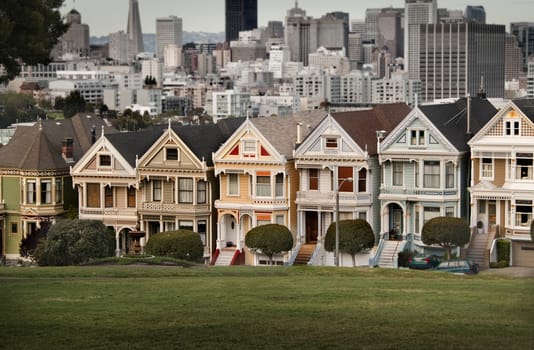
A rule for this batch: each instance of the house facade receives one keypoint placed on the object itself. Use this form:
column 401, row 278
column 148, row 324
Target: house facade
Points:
column 425, row 167
column 502, row 178
column 258, row 182
column 35, row 183
column 339, row 158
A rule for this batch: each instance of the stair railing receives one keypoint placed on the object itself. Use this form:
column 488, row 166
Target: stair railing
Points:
column 293, row 254
column 374, row 260
column 315, row 254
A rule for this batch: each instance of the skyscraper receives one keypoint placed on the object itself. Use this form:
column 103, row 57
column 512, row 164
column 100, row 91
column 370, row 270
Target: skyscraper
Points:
column 475, row 14
column 240, row 15
column 76, row 38
column 416, row 12
column 133, row 30
column 524, row 32
column 168, row 32
column 457, row 58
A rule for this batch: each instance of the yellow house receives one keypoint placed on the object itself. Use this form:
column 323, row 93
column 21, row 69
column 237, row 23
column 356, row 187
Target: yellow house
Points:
column 258, row 182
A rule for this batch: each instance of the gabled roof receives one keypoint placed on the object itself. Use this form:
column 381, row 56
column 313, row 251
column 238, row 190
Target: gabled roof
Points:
column 451, row 119
column 132, row 145
column 526, row 106
column 38, row 147
column 281, row 132
column 363, row 125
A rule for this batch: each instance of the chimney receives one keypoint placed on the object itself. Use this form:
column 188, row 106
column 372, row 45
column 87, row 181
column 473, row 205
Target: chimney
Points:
column 299, row 133
column 67, row 149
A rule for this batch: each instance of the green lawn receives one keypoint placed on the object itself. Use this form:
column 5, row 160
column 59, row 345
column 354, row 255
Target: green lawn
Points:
column 132, row 307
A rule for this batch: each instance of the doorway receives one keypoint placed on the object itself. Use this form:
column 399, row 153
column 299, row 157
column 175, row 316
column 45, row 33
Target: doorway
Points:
column 312, row 226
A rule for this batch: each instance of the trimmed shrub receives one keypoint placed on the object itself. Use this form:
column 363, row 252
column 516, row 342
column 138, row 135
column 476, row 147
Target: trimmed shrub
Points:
column 73, row 242
column 181, row 244
column 404, row 258
column 354, row 236
column 270, row 239
column 447, row 232
column 499, row 265
column 503, row 251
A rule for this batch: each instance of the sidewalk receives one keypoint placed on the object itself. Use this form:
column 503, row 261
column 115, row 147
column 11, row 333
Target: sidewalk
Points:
column 514, row 271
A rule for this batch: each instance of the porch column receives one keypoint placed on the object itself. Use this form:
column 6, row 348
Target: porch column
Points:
column 219, row 235
column 175, row 199
column 117, row 244
column 241, row 235
column 320, row 236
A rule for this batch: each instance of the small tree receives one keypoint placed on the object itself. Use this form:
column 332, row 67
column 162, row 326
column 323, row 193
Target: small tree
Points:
column 181, row 244
column 447, row 232
column 73, row 242
column 74, row 103
column 354, row 236
column 270, row 239
column 29, row 243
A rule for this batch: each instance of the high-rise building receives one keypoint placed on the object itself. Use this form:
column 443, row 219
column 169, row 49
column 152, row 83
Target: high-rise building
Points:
column 371, row 24
column 524, row 32
column 118, row 46
column 530, row 80
column 475, row 14
column 513, row 59
column 304, row 35
column 416, row 12
column 133, row 30
column 76, row 38
column 389, row 24
column 357, row 26
column 240, row 15
column 275, row 29
column 168, row 32
column 460, row 59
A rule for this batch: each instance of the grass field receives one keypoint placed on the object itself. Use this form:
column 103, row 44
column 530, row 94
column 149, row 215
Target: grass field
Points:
column 147, row 307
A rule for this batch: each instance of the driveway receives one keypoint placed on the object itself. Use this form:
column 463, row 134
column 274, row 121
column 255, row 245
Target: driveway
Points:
column 514, row 271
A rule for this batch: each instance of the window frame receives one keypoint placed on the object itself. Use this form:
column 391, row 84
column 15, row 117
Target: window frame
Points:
column 157, row 191
column 58, row 191
column 313, row 180
column 430, row 178
column 331, row 142
column 175, row 158
column 185, row 190
column 263, row 187
column 233, row 186
column 102, row 156
column 129, row 191
column 31, row 192
column 397, row 173
column 491, row 165
column 417, row 137
column 108, row 197
column 279, row 186
column 450, row 176
column 202, row 192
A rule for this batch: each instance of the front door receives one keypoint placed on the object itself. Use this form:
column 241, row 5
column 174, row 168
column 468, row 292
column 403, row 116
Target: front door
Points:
column 492, row 215
column 311, row 226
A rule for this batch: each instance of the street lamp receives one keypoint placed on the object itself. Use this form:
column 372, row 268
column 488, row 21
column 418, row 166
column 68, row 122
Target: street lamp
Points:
column 336, row 253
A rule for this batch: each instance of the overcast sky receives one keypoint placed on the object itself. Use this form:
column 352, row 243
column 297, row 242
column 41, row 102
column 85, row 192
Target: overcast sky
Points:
column 108, row 16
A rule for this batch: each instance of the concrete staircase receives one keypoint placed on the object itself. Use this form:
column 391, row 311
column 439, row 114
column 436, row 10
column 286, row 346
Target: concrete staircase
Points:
column 225, row 257
column 478, row 250
column 390, row 253
column 305, row 254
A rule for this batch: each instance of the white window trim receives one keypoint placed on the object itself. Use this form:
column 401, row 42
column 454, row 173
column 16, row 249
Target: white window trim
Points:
column 511, row 120
column 244, row 142
column 104, row 167
column 331, row 137
column 418, row 143
column 228, row 186
column 481, row 169
column 177, row 154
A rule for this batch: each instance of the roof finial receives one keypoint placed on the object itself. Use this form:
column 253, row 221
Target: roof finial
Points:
column 169, row 123
column 416, row 100
column 481, row 90
column 102, row 130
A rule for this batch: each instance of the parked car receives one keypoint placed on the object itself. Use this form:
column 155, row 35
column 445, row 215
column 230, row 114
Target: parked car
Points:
column 459, row 266
column 424, row 263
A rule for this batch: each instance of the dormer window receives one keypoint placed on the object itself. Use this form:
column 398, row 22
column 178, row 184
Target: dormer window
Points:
column 249, row 146
column 417, row 137
column 331, row 143
column 511, row 127
column 104, row 160
column 171, row 153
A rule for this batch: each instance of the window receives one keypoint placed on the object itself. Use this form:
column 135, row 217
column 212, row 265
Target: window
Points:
column 344, row 173
column 313, row 179
column 431, row 174
column 417, row 138
column 279, row 219
column 156, row 190
column 398, row 174
column 59, row 191
column 362, row 215
column 524, row 166
column 30, row 192
column 185, row 225
column 171, row 153
column 104, row 160
column 449, row 175
column 487, row 168
column 108, row 197
column 233, row 185
column 511, row 127
column 14, row 227
column 523, row 213
column 185, row 190
column 93, row 195
column 449, row 211
column 202, row 230
column 430, row 213
column 249, row 146
column 330, row 143
column 131, row 197
column 416, row 174
column 279, row 185
column 263, row 186
column 202, row 187
column 362, row 180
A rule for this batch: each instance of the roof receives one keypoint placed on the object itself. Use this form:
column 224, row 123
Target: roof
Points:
column 38, row 147
column 281, row 131
column 362, row 125
column 526, row 106
column 451, row 119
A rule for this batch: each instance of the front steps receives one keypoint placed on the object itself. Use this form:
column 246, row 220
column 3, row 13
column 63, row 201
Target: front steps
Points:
column 478, row 250
column 390, row 253
column 225, row 257
column 305, row 254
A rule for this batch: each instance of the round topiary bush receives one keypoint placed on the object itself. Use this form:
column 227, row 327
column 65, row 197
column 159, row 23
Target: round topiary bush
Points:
column 270, row 239
column 354, row 236
column 73, row 242
column 181, row 244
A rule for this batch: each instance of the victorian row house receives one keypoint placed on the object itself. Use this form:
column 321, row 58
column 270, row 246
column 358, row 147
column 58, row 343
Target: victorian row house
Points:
column 35, row 184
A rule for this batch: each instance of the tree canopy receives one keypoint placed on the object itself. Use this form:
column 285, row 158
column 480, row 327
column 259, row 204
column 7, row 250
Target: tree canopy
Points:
column 354, row 237
column 447, row 232
column 270, row 239
column 29, row 30
column 72, row 104
column 180, row 244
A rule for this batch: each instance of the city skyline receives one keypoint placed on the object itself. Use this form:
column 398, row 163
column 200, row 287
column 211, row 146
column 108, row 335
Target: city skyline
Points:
column 195, row 17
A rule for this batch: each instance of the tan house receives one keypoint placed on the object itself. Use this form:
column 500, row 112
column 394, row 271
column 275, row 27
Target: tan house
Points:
column 153, row 181
column 258, row 182
column 502, row 178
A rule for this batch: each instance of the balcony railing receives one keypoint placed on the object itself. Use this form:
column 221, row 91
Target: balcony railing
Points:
column 329, row 197
column 418, row 192
column 173, row 207
column 109, row 211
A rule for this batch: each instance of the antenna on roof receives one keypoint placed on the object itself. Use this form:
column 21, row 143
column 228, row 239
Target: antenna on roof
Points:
column 169, row 123
column 481, row 89
column 416, row 100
